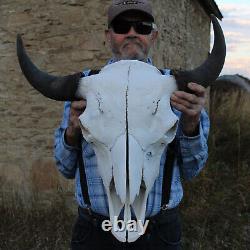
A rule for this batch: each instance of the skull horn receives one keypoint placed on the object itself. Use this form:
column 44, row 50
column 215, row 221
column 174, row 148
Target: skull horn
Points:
column 54, row 87
column 209, row 71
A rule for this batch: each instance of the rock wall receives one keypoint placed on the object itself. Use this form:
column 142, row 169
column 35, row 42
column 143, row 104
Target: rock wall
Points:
column 65, row 36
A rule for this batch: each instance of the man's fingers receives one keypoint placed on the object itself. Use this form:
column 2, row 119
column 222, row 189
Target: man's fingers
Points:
column 76, row 109
column 74, row 122
column 198, row 89
column 79, row 105
column 184, row 109
column 182, row 101
column 180, row 96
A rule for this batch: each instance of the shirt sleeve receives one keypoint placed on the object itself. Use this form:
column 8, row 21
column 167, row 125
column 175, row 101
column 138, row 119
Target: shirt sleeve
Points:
column 65, row 155
column 193, row 151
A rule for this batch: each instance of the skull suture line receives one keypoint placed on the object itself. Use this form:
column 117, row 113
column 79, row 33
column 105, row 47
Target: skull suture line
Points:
column 128, row 119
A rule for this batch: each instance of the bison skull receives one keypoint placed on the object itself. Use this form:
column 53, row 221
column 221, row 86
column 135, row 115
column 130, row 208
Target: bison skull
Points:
column 128, row 129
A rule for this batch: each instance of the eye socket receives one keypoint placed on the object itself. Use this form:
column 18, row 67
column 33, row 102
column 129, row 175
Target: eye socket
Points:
column 81, row 126
column 170, row 134
column 85, row 131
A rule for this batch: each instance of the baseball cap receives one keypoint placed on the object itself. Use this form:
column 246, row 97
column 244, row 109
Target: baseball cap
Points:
column 118, row 6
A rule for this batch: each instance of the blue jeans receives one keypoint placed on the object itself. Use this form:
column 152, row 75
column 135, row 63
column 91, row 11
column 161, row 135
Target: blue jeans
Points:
column 163, row 233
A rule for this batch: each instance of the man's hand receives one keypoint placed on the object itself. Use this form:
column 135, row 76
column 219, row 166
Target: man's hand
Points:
column 73, row 131
column 190, row 105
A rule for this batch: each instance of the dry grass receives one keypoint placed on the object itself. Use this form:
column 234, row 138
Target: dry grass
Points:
column 215, row 210
column 216, row 207
column 23, row 228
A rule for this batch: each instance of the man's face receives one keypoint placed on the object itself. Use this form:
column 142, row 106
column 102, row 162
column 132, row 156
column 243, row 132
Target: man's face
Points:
column 131, row 45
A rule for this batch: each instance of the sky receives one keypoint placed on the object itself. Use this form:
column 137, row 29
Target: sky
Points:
column 236, row 27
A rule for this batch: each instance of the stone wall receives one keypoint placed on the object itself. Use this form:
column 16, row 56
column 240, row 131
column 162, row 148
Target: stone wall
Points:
column 65, row 36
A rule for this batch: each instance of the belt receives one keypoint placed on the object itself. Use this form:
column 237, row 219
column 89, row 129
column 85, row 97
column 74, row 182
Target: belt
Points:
column 92, row 217
column 97, row 219
column 163, row 216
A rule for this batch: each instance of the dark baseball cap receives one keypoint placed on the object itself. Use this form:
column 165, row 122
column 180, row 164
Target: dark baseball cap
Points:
column 118, row 7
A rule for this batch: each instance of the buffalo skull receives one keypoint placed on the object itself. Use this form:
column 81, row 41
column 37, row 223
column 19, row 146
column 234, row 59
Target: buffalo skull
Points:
column 128, row 120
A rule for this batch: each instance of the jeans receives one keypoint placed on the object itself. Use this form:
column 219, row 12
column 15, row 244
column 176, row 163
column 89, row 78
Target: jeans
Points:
column 163, row 232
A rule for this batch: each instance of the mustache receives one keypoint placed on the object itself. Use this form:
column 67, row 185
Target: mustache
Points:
column 133, row 40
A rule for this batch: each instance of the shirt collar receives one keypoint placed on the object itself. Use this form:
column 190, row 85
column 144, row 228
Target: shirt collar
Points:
column 113, row 60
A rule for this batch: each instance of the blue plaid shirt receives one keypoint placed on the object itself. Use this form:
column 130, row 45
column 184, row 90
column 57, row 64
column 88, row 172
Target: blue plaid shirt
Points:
column 192, row 150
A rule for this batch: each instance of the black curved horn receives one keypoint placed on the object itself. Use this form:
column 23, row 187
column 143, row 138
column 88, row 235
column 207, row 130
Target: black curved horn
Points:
column 54, row 87
column 209, row 71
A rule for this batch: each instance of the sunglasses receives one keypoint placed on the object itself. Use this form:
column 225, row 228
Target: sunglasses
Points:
column 123, row 27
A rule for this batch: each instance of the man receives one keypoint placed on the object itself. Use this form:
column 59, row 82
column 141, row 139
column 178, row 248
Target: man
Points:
column 130, row 35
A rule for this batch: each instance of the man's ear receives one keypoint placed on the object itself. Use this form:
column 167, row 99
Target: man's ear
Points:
column 154, row 35
column 108, row 36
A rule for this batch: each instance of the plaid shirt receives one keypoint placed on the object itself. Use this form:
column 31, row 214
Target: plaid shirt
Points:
column 192, row 150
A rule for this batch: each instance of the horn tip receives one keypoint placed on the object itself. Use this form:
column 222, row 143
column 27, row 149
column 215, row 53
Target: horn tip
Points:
column 19, row 37
column 213, row 18
column 19, row 40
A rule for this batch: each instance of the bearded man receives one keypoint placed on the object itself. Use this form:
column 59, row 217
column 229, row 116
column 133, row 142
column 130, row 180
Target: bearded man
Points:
column 131, row 33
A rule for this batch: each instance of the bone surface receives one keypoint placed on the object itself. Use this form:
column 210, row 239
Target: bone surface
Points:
column 129, row 122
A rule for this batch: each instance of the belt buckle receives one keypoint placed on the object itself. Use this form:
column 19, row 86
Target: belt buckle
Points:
column 164, row 207
column 88, row 208
column 93, row 219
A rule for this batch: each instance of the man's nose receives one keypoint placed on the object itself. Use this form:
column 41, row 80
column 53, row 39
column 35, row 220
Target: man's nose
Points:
column 132, row 32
